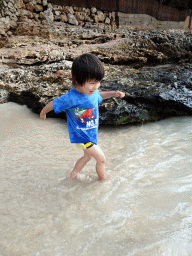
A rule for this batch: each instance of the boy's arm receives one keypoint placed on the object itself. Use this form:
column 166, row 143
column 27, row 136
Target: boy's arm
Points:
column 46, row 109
column 106, row 95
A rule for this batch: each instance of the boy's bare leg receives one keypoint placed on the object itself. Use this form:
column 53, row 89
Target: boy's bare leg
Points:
column 80, row 164
column 99, row 156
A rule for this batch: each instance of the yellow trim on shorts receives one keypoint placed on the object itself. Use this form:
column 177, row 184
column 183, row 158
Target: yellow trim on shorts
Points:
column 88, row 144
column 84, row 146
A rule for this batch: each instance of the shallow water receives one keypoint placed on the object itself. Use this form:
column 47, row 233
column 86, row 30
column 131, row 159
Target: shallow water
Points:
column 144, row 207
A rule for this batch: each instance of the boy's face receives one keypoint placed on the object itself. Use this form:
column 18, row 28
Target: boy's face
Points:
column 89, row 87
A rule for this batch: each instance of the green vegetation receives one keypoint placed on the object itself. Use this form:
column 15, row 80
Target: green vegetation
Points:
column 1, row 5
column 179, row 4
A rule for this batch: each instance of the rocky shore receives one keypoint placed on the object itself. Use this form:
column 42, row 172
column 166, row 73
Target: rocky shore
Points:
column 153, row 68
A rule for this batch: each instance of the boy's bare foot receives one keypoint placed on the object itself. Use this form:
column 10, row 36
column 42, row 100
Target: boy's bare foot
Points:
column 72, row 175
column 103, row 177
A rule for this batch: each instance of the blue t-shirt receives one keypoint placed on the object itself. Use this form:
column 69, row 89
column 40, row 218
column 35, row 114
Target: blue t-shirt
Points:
column 82, row 114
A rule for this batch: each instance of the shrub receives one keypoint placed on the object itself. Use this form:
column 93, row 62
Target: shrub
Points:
column 1, row 5
column 179, row 4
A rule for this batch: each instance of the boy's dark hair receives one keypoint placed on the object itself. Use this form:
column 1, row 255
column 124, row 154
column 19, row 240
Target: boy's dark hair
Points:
column 86, row 67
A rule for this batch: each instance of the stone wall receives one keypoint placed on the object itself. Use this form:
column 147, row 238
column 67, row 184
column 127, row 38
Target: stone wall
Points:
column 15, row 11
column 41, row 11
column 145, row 21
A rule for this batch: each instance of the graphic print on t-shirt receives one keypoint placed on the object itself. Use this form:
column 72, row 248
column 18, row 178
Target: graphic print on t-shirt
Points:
column 83, row 114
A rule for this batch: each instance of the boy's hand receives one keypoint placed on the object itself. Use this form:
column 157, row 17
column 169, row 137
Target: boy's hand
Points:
column 120, row 94
column 46, row 109
column 42, row 116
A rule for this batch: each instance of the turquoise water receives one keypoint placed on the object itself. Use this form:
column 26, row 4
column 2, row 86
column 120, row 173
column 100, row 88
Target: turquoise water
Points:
column 144, row 207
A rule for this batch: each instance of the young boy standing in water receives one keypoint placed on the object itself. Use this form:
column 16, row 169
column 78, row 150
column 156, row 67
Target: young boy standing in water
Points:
column 81, row 107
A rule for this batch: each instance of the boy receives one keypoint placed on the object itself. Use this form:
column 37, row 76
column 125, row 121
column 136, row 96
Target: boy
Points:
column 81, row 107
